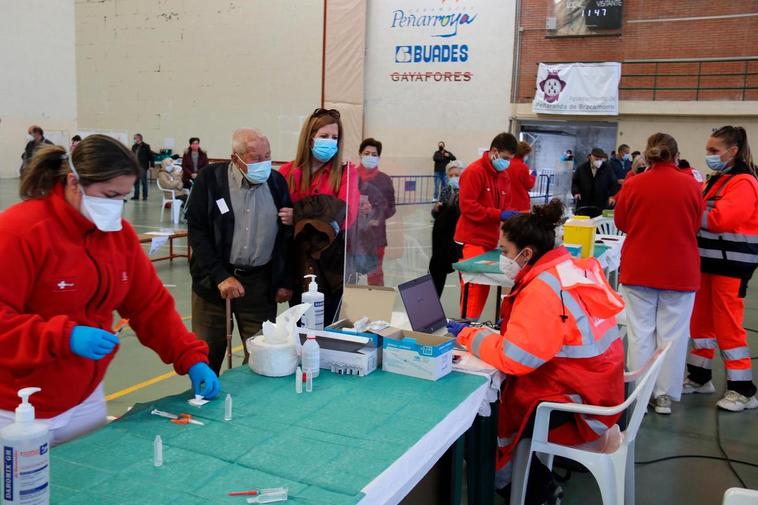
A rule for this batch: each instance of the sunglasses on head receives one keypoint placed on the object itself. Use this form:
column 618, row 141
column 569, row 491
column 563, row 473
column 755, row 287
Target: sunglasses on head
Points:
column 330, row 112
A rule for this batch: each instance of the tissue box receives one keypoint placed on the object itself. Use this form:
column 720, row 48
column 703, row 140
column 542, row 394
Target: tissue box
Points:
column 417, row 354
column 348, row 354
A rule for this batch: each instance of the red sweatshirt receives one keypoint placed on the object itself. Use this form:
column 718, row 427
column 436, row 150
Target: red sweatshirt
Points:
column 484, row 194
column 348, row 192
column 60, row 272
column 521, row 182
column 660, row 211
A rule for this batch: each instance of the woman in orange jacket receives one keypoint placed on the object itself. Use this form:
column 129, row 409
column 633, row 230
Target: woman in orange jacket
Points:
column 558, row 342
column 728, row 242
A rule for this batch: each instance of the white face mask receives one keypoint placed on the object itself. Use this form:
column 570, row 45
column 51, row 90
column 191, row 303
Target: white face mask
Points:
column 597, row 163
column 370, row 162
column 29, row 137
column 510, row 267
column 105, row 213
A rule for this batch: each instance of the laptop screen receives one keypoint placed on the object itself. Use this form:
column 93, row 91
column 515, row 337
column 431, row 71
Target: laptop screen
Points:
column 422, row 304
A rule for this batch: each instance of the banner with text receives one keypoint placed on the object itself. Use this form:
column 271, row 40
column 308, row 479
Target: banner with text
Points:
column 578, row 89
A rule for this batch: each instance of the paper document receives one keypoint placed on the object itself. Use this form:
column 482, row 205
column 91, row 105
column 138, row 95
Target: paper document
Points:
column 156, row 244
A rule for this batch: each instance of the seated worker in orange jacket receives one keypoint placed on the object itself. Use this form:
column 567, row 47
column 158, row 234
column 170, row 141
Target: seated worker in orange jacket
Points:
column 559, row 341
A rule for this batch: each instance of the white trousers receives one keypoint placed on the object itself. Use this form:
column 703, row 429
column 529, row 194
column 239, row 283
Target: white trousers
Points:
column 653, row 318
column 75, row 422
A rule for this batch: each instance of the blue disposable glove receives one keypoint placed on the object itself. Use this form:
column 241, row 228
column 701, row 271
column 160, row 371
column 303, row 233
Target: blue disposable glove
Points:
column 200, row 374
column 92, row 343
column 506, row 214
column 455, row 327
column 534, row 173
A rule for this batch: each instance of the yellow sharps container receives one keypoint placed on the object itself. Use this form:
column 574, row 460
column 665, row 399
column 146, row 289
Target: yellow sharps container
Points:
column 580, row 230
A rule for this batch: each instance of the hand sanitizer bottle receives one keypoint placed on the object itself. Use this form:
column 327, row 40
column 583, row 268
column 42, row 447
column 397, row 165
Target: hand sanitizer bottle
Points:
column 26, row 456
column 314, row 318
column 311, row 356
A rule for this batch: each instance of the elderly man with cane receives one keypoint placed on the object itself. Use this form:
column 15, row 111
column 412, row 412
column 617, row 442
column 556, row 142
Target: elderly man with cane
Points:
column 240, row 227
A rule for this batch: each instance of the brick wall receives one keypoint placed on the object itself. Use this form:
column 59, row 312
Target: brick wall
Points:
column 711, row 38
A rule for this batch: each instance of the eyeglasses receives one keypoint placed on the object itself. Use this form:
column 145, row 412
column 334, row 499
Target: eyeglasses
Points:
column 330, row 112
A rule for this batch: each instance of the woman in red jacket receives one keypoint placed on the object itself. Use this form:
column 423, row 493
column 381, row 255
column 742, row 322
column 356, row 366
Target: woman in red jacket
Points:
column 317, row 172
column 70, row 262
column 728, row 241
column 521, row 178
column 659, row 210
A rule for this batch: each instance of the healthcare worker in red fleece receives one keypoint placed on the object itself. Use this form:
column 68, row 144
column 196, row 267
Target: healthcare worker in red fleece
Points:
column 558, row 342
column 70, row 261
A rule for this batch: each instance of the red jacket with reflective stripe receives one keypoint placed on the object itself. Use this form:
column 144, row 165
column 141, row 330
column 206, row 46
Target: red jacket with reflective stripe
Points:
column 660, row 212
column 521, row 182
column 60, row 272
column 484, row 194
column 559, row 342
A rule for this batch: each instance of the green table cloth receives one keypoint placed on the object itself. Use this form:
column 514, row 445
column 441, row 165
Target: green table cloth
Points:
column 325, row 446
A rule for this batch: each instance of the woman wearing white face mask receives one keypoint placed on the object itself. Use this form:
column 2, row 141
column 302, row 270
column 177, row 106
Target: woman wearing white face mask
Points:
column 169, row 177
column 558, row 341
column 71, row 261
column 728, row 242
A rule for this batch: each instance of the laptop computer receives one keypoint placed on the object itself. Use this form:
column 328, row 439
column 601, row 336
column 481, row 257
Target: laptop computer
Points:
column 423, row 306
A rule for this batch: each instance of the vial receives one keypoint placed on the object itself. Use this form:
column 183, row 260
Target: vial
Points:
column 228, row 407
column 158, row 451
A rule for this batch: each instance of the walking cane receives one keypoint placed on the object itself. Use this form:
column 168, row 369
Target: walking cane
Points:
column 229, row 331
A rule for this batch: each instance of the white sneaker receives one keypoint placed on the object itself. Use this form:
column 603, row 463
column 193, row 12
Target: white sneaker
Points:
column 690, row 387
column 736, row 402
column 661, row 404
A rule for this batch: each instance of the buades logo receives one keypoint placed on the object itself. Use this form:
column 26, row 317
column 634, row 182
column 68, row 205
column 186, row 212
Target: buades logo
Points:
column 441, row 53
column 445, row 25
column 459, row 76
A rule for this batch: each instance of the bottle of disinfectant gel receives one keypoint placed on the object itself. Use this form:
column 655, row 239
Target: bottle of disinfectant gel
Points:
column 311, row 356
column 314, row 318
column 26, row 456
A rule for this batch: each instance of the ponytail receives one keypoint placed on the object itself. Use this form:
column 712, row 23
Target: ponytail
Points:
column 46, row 169
column 737, row 136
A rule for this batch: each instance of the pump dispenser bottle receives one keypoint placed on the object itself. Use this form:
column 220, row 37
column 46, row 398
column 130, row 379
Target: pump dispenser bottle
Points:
column 26, row 456
column 314, row 318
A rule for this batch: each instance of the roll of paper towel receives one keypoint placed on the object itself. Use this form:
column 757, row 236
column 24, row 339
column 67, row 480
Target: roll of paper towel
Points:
column 275, row 353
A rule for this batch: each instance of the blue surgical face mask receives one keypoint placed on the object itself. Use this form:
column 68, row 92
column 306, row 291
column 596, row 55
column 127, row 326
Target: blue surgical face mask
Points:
column 454, row 182
column 324, row 149
column 628, row 157
column 370, row 162
column 714, row 162
column 500, row 164
column 257, row 173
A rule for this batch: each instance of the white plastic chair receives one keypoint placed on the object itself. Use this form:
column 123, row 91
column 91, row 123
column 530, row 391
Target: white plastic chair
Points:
column 740, row 496
column 173, row 202
column 610, row 458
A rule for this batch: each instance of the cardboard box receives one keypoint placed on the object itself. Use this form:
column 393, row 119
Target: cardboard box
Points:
column 343, row 353
column 417, row 354
column 374, row 302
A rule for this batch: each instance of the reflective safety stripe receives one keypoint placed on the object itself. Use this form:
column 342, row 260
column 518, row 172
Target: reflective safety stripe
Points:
column 704, row 220
column 575, row 398
column 736, row 353
column 504, row 442
column 730, row 255
column 595, row 425
column 517, row 354
column 571, row 304
column 481, row 334
column 695, row 360
column 594, row 349
column 732, row 237
column 739, row 375
column 703, row 343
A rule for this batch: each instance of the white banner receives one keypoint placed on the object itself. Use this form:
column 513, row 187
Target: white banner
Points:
column 590, row 89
